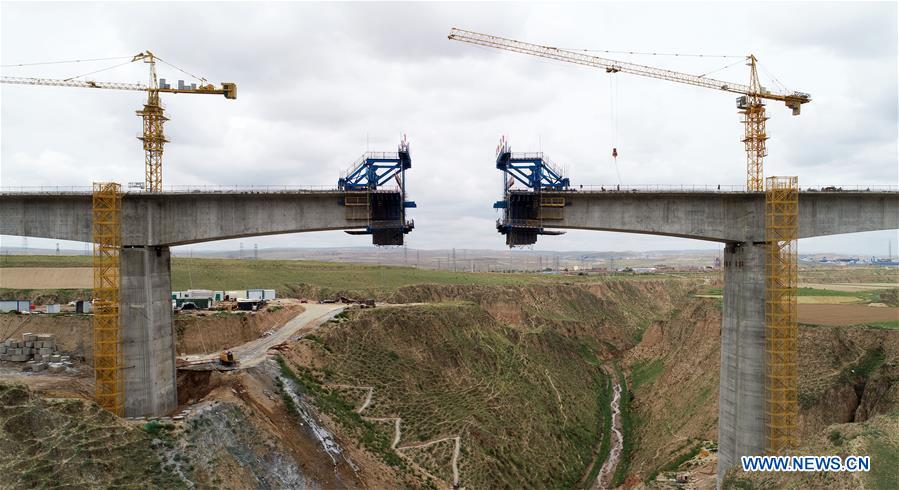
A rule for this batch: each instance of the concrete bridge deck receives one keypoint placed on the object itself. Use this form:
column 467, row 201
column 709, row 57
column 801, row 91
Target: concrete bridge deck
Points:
column 151, row 224
column 737, row 219
column 729, row 216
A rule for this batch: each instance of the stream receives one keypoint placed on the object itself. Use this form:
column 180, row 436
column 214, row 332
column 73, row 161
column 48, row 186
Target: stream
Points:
column 604, row 479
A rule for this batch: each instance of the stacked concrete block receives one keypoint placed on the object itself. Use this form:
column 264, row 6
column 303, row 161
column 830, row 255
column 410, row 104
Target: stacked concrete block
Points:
column 36, row 350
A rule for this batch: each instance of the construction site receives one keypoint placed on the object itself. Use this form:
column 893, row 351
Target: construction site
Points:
column 143, row 364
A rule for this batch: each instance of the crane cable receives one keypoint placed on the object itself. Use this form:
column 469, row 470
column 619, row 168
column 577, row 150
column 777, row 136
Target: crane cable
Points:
column 652, row 53
column 201, row 79
column 129, row 58
column 97, row 71
column 613, row 122
column 64, row 61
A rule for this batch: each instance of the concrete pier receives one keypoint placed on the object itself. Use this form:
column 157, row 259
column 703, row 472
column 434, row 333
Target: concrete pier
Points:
column 148, row 337
column 741, row 393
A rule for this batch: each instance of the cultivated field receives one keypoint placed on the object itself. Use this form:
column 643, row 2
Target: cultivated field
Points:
column 46, row 278
column 837, row 315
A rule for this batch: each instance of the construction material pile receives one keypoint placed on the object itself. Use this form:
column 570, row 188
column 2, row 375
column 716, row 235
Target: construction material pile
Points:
column 37, row 351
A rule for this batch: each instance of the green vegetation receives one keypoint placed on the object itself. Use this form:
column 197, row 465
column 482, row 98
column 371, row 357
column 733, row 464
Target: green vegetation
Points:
column 887, row 325
column 342, row 411
column 627, row 431
column 835, row 437
column 884, row 461
column 604, row 429
column 73, row 443
column 296, row 278
column 645, row 372
column 676, row 462
column 862, row 369
column 512, row 394
column 827, row 292
column 46, row 260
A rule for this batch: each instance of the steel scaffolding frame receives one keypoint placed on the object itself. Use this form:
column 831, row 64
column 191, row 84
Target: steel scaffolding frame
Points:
column 781, row 330
column 154, row 140
column 107, row 348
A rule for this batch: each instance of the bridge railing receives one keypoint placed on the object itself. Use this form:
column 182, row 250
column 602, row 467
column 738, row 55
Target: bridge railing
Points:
column 723, row 188
column 178, row 189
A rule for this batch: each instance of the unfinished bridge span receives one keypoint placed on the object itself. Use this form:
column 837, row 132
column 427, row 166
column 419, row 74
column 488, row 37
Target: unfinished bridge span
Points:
column 733, row 217
column 153, row 222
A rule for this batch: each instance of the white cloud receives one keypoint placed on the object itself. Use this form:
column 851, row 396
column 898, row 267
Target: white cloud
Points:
column 316, row 81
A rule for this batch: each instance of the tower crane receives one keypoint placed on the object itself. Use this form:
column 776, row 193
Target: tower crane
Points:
column 153, row 113
column 750, row 103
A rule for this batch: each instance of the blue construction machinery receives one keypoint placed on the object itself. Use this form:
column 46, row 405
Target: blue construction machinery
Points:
column 368, row 196
column 526, row 209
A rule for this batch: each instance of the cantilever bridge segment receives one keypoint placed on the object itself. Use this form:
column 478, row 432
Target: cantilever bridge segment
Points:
column 737, row 219
column 151, row 223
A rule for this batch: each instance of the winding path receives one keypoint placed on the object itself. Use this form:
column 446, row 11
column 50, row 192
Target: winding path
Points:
column 397, row 435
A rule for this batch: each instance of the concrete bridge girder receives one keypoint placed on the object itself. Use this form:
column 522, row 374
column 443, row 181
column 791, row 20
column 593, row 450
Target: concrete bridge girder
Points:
column 151, row 224
column 738, row 220
column 177, row 219
column 723, row 217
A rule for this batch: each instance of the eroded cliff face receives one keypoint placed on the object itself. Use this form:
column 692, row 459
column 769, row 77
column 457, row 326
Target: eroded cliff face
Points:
column 847, row 375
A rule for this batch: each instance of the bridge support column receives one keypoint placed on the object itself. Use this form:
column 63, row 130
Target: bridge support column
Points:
column 147, row 334
column 741, row 397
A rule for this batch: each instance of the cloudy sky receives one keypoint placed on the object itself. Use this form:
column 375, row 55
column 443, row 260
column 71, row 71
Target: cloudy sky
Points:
column 321, row 83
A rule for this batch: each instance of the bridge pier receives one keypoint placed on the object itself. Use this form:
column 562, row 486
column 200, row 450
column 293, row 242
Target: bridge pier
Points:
column 148, row 339
column 741, row 396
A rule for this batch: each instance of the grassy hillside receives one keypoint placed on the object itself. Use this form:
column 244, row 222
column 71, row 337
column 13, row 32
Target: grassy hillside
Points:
column 877, row 438
column 514, row 371
column 49, row 443
column 302, row 278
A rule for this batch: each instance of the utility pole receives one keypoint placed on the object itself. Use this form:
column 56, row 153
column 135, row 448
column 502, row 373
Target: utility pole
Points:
column 240, row 254
column 255, row 251
column 454, row 259
column 57, row 248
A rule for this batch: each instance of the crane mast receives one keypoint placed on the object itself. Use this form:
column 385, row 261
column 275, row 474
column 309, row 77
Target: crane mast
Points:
column 153, row 112
column 750, row 103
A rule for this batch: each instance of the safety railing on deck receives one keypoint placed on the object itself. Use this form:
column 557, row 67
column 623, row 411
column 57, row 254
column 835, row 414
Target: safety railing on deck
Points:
column 721, row 188
column 187, row 189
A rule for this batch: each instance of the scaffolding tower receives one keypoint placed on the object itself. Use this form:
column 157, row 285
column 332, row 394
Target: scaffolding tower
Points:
column 107, row 238
column 781, row 330
column 154, row 140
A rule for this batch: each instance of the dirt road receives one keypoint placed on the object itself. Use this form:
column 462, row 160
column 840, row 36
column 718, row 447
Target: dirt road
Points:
column 254, row 352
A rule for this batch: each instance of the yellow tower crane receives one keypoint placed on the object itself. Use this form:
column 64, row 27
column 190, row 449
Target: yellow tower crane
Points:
column 750, row 103
column 153, row 113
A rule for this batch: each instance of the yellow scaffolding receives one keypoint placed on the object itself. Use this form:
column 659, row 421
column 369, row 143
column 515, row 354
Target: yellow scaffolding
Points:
column 107, row 237
column 754, row 135
column 781, row 330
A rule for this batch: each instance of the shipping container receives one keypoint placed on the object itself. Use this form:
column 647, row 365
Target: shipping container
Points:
column 268, row 294
column 52, row 308
column 22, row 305
column 255, row 294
